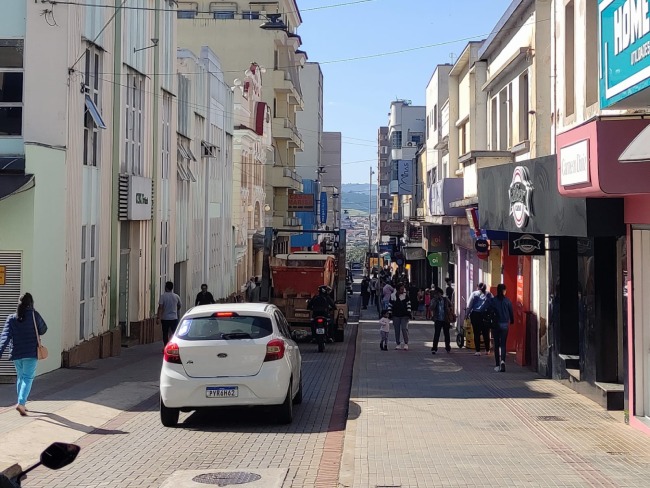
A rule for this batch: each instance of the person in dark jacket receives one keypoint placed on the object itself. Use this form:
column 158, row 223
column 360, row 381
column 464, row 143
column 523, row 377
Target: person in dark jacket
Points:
column 399, row 310
column 20, row 332
column 475, row 309
column 440, row 306
column 204, row 297
column 506, row 316
column 365, row 292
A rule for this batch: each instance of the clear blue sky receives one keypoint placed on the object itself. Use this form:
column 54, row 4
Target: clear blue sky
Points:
column 357, row 93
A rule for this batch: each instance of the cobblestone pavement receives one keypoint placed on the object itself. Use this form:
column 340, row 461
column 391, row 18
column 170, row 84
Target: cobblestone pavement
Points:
column 449, row 420
column 132, row 449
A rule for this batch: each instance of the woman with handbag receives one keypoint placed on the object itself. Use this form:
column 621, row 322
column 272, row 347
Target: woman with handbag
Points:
column 23, row 330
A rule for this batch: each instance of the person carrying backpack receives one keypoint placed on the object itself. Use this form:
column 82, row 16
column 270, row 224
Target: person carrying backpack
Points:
column 476, row 306
column 505, row 316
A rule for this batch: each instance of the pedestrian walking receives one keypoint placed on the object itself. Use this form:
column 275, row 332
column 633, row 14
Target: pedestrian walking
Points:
column 248, row 288
column 169, row 307
column 475, row 308
column 373, row 288
column 420, row 300
column 427, row 303
column 387, row 292
column 399, row 308
column 449, row 290
column 384, row 329
column 22, row 331
column 204, row 297
column 442, row 310
column 505, row 316
column 365, row 292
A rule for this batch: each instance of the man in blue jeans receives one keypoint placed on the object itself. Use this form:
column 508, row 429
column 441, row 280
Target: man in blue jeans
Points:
column 169, row 307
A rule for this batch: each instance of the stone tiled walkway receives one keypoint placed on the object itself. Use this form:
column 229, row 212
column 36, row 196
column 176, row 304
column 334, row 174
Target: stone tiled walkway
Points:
column 419, row 420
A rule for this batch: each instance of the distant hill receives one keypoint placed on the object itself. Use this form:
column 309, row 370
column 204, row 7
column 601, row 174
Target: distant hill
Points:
column 355, row 198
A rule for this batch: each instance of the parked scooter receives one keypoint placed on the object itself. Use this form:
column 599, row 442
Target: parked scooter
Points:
column 319, row 330
column 56, row 456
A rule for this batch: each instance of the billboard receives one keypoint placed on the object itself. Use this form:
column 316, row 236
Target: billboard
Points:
column 301, row 202
column 405, row 177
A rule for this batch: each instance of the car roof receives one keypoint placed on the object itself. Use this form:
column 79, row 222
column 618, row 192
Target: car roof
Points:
column 256, row 308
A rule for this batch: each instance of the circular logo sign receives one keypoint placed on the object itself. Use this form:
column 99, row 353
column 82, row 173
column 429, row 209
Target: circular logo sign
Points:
column 520, row 193
column 482, row 246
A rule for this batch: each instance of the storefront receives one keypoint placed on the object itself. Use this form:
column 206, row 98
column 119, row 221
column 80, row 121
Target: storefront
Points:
column 553, row 240
column 600, row 160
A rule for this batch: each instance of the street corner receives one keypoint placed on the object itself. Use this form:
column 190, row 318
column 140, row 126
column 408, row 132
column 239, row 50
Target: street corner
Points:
column 266, row 478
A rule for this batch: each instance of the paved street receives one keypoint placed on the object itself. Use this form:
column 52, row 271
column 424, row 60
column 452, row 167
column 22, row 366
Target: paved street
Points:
column 415, row 420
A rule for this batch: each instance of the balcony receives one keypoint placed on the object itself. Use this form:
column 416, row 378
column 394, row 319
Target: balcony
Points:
column 284, row 177
column 282, row 83
column 292, row 222
column 285, row 129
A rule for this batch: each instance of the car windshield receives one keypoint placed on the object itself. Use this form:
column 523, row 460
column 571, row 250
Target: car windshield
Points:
column 224, row 328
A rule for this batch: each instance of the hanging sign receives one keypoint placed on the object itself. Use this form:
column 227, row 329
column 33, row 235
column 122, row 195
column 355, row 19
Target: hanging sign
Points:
column 435, row 259
column 526, row 244
column 520, row 193
column 323, row 207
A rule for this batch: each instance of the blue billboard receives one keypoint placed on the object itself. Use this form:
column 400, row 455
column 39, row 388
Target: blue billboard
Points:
column 323, row 208
column 624, row 49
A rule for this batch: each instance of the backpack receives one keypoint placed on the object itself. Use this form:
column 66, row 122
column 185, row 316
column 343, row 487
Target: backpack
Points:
column 490, row 316
column 450, row 315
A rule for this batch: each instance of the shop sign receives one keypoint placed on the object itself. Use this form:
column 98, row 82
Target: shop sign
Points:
column 435, row 259
column 624, row 48
column 436, row 238
column 414, row 253
column 323, row 207
column 526, row 244
column 520, row 193
column 3, row 275
column 574, row 164
column 482, row 246
column 405, row 176
column 385, row 248
column 392, row 228
column 301, row 202
column 415, row 233
column 139, row 198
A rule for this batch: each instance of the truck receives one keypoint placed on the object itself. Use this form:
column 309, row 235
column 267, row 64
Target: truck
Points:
column 290, row 280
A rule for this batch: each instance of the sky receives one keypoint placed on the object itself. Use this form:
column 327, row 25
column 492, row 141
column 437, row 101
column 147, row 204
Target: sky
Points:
column 358, row 92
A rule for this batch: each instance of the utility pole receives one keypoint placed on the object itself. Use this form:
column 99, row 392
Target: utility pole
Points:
column 370, row 219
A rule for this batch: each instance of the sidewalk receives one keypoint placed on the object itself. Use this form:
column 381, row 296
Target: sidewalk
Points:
column 67, row 404
column 423, row 420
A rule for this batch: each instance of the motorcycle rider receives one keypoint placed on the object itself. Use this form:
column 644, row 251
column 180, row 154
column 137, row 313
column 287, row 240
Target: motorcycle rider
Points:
column 321, row 305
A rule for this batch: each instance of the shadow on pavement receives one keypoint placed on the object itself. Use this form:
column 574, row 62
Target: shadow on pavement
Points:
column 52, row 418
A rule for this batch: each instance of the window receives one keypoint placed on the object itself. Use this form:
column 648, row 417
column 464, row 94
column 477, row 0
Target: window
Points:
column 462, row 139
column 591, row 95
column 164, row 253
column 435, row 117
column 224, row 14
column 524, row 108
column 503, row 119
column 416, row 139
column 186, row 14
column 396, row 139
column 250, row 15
column 11, row 87
column 225, row 328
column 92, row 107
column 166, row 135
column 134, row 123
column 569, row 62
column 495, row 124
column 88, row 287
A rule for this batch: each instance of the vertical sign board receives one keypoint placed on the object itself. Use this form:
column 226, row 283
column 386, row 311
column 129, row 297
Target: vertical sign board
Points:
column 323, row 208
column 405, row 177
column 624, row 49
column 3, row 275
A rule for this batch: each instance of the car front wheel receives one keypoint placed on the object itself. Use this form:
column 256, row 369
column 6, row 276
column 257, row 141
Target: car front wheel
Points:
column 285, row 411
column 297, row 400
column 168, row 416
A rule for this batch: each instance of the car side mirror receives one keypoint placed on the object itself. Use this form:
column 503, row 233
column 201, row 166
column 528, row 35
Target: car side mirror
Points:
column 59, row 454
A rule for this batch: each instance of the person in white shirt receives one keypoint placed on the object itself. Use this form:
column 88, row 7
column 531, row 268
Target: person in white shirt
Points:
column 384, row 329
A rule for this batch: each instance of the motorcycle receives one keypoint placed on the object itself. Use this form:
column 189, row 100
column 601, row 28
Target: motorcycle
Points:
column 319, row 330
column 56, row 456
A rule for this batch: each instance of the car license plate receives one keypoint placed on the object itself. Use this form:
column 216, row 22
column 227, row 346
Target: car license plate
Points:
column 320, row 330
column 301, row 315
column 221, row 391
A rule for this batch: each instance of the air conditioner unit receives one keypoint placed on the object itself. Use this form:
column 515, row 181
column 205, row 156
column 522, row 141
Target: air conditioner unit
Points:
column 420, row 212
column 411, row 144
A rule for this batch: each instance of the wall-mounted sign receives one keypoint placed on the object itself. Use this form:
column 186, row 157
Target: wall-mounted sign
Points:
column 437, row 238
column 414, row 253
column 415, row 233
column 139, row 199
column 435, row 259
column 521, row 193
column 393, row 228
column 482, row 246
column 301, row 202
column 3, row 275
column 405, row 177
column 624, row 49
column 526, row 244
column 323, row 207
column 574, row 164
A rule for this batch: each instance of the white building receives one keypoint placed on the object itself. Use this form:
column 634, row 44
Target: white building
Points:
column 310, row 122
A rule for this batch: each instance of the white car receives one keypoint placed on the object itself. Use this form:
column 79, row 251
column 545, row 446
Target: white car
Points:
column 231, row 355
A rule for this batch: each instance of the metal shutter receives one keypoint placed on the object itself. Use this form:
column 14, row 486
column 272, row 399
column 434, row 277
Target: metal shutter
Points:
column 9, row 296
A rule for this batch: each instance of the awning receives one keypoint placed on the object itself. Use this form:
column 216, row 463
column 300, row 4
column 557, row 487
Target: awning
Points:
column 11, row 184
column 638, row 150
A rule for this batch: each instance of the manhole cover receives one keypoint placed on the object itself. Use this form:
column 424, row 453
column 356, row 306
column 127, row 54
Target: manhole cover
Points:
column 225, row 479
column 551, row 418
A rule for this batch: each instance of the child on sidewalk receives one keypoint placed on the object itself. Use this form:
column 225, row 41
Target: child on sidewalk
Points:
column 384, row 329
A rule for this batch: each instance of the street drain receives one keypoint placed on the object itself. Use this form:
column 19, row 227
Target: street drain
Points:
column 551, row 418
column 225, row 479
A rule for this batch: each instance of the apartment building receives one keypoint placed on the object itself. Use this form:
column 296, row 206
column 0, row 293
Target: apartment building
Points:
column 384, row 175
column 330, row 179
column 82, row 202
column 264, row 33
